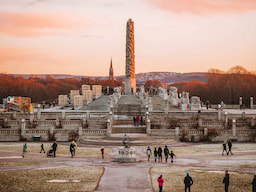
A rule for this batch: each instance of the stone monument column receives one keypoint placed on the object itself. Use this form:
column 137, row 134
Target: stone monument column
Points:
column 130, row 81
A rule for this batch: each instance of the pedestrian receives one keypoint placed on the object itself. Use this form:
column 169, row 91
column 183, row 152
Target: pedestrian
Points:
column 226, row 180
column 134, row 120
column 188, row 181
column 148, row 152
column 102, row 152
column 42, row 148
column 72, row 149
column 155, row 154
column 160, row 183
column 141, row 120
column 166, row 153
column 54, row 148
column 172, row 156
column 224, row 148
column 230, row 147
column 24, row 150
column 137, row 120
column 159, row 154
column 74, row 153
column 254, row 184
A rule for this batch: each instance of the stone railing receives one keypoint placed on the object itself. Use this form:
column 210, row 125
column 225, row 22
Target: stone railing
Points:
column 193, row 132
column 9, row 132
column 212, row 123
column 90, row 132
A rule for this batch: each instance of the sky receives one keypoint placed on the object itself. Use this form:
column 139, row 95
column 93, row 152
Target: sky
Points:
column 79, row 37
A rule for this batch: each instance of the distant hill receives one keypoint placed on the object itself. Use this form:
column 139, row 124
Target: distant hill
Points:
column 165, row 77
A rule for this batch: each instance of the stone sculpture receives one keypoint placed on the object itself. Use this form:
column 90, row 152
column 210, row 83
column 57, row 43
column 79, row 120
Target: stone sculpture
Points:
column 130, row 82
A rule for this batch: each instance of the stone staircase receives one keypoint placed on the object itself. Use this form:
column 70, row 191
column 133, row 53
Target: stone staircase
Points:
column 127, row 126
column 135, row 140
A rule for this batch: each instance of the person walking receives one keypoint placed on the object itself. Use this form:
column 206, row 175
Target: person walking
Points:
column 74, row 142
column 224, row 148
column 72, row 149
column 254, row 184
column 160, row 151
column 172, row 155
column 137, row 120
column 149, row 152
column 155, row 154
column 188, row 181
column 141, row 120
column 24, row 150
column 102, row 152
column 42, row 148
column 166, row 153
column 230, row 147
column 54, row 148
column 134, row 120
column 160, row 183
column 226, row 180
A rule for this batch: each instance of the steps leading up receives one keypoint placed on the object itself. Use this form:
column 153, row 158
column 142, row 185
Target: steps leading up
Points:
column 135, row 140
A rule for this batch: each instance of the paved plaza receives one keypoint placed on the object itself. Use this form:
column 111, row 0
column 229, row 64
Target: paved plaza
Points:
column 197, row 158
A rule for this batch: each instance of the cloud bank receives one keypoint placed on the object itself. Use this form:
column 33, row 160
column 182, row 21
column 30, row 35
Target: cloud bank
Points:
column 205, row 7
column 34, row 24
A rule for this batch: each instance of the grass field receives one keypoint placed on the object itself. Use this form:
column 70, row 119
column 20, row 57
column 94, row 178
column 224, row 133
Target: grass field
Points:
column 204, row 181
column 61, row 150
column 60, row 179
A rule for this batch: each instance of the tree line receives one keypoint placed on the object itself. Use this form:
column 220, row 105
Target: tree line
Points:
column 220, row 86
column 47, row 89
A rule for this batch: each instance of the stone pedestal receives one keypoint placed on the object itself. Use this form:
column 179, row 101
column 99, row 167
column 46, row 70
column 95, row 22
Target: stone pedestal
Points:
column 240, row 101
column 148, row 126
column 251, row 103
column 109, row 128
column 130, row 86
column 23, row 126
column 126, row 155
column 234, row 127
column 177, row 133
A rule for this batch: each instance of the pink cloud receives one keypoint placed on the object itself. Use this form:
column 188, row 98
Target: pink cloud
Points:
column 205, row 7
column 35, row 24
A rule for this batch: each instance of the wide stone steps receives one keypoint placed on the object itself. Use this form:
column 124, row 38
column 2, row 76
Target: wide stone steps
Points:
column 135, row 140
column 128, row 129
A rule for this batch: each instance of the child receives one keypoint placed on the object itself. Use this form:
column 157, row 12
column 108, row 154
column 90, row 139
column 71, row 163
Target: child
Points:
column 172, row 156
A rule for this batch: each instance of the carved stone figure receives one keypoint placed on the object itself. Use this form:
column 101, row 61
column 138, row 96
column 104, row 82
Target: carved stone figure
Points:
column 130, row 82
column 195, row 100
column 184, row 98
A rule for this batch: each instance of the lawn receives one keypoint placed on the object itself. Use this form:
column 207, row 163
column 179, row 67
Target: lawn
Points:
column 57, row 179
column 204, row 180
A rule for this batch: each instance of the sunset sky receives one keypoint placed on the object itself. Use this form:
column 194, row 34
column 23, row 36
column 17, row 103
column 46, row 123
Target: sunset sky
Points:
column 79, row 37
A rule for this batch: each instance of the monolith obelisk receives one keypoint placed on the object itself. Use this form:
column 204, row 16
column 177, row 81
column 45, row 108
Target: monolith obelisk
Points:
column 130, row 81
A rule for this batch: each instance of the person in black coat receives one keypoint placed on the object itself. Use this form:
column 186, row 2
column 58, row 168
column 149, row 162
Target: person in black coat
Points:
column 224, row 148
column 160, row 154
column 230, row 147
column 72, row 149
column 166, row 153
column 155, row 154
column 226, row 180
column 188, row 181
column 254, row 184
column 54, row 148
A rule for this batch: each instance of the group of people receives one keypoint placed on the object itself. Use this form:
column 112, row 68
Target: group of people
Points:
column 188, row 182
column 229, row 143
column 158, row 154
column 137, row 120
